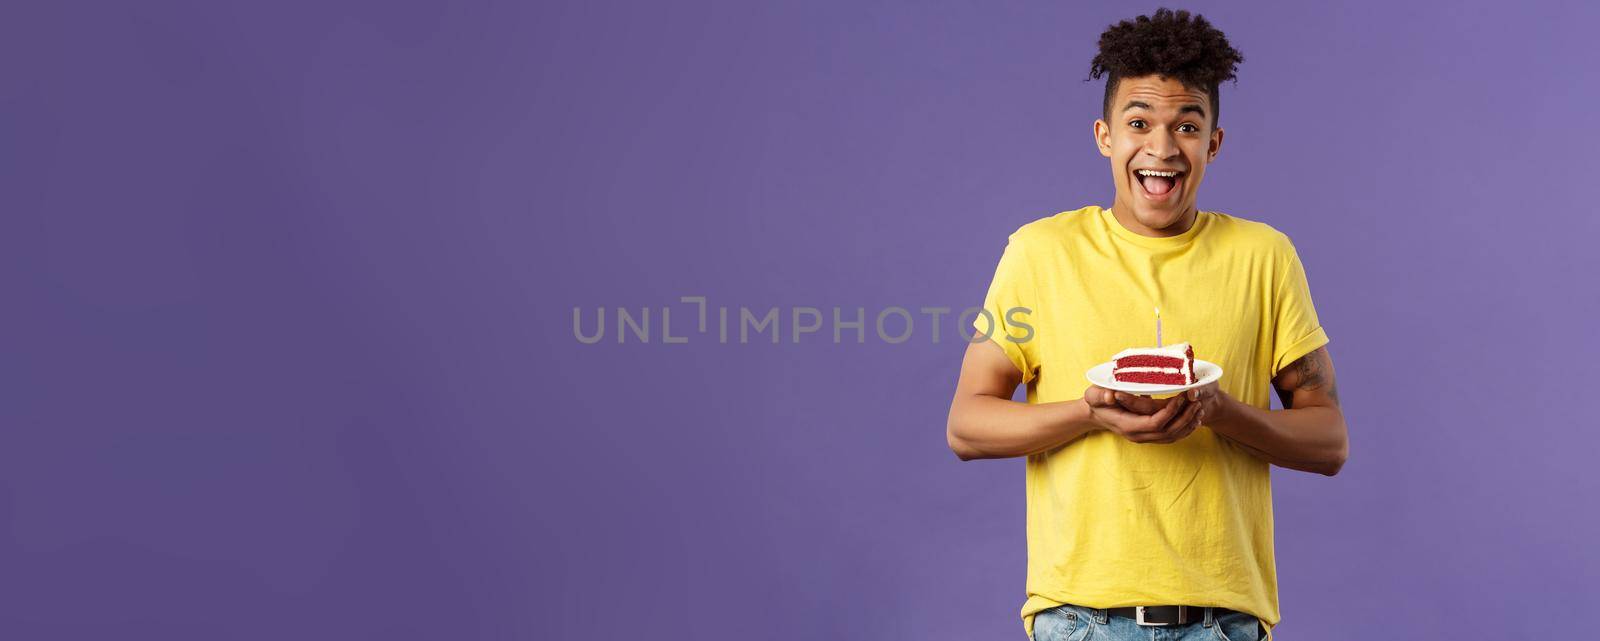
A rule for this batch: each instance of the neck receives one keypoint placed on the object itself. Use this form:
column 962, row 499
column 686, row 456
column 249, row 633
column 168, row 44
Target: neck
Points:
column 1124, row 215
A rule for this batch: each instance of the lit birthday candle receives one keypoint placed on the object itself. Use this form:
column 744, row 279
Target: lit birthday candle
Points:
column 1158, row 327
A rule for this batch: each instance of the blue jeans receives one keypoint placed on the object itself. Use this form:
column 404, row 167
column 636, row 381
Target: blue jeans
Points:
column 1073, row 623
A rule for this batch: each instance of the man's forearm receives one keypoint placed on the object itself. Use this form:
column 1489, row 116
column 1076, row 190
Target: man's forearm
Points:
column 1309, row 439
column 990, row 427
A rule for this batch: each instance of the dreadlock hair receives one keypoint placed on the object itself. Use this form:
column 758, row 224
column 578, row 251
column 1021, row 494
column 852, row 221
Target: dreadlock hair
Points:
column 1170, row 44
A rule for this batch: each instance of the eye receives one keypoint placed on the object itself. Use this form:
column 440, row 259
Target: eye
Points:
column 1190, row 125
column 1136, row 124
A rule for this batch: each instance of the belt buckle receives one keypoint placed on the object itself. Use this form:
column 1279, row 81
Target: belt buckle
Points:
column 1138, row 612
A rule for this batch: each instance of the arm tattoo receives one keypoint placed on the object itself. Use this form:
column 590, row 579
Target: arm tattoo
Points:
column 1313, row 373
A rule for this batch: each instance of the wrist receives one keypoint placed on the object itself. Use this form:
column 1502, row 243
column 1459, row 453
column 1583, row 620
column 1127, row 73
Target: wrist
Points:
column 1228, row 410
column 1086, row 416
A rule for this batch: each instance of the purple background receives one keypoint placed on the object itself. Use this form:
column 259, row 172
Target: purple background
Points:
column 289, row 292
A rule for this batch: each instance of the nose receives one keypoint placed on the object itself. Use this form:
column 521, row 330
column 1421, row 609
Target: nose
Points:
column 1161, row 146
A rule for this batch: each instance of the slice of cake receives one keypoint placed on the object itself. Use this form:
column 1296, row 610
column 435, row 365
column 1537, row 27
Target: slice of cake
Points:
column 1170, row 365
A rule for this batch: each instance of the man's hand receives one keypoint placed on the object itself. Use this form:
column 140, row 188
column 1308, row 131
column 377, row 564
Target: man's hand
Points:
column 1142, row 419
column 1214, row 403
column 1309, row 434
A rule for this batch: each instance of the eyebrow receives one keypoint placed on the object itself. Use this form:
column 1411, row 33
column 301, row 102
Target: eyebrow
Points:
column 1189, row 108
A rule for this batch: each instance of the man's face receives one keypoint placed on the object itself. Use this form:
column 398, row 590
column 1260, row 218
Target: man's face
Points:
column 1157, row 124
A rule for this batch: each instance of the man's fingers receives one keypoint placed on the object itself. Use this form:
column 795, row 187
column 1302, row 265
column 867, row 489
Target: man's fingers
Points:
column 1103, row 403
column 1126, row 421
column 1159, row 419
column 1174, row 428
column 1188, row 416
column 1188, row 421
column 1199, row 417
column 1151, row 425
column 1180, row 427
column 1138, row 404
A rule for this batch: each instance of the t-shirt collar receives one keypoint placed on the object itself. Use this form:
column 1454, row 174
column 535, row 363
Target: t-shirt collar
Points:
column 1155, row 242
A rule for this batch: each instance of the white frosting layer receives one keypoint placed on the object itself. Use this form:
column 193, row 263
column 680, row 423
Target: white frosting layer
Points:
column 1175, row 350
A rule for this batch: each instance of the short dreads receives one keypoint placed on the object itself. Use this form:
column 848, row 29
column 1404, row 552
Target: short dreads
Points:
column 1169, row 44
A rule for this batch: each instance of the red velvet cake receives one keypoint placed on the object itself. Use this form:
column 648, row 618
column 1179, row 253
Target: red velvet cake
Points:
column 1170, row 365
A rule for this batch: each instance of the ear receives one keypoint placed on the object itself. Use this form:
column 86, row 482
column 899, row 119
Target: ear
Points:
column 1216, row 144
column 1102, row 137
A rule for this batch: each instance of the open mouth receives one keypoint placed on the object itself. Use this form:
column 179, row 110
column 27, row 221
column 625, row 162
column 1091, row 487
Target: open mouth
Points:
column 1159, row 185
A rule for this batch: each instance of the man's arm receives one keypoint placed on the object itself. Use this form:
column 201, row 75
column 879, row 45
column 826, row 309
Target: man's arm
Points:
column 1309, row 434
column 985, row 423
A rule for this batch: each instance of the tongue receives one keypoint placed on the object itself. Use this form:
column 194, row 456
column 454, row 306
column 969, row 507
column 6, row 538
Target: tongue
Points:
column 1157, row 185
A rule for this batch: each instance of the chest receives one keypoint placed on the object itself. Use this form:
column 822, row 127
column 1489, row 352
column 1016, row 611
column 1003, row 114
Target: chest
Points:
column 1220, row 304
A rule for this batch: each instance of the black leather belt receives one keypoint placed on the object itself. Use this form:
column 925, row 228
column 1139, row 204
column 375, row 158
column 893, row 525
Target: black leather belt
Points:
column 1167, row 614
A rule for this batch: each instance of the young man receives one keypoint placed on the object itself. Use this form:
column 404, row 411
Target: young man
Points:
column 1151, row 512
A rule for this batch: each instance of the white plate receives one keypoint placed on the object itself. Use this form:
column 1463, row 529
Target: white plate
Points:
column 1101, row 375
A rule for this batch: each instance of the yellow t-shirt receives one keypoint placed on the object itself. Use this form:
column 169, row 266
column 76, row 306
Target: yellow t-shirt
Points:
column 1114, row 523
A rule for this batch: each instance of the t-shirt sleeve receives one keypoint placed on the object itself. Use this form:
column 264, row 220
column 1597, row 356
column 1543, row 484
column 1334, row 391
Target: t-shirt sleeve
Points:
column 1010, row 303
column 1296, row 330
